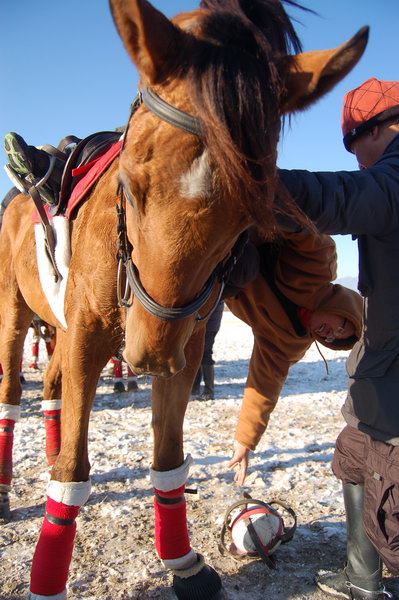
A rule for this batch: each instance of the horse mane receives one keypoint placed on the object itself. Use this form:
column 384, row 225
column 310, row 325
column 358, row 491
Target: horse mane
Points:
column 236, row 80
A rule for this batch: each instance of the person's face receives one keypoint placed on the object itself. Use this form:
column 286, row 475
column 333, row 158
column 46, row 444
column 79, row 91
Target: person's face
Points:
column 367, row 148
column 331, row 327
column 370, row 146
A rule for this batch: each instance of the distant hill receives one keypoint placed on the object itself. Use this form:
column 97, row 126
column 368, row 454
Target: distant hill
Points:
column 349, row 282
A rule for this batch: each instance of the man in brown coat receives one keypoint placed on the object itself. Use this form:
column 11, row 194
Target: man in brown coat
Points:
column 289, row 305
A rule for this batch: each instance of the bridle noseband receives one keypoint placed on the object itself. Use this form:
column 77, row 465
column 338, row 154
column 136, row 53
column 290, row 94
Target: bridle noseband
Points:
column 192, row 125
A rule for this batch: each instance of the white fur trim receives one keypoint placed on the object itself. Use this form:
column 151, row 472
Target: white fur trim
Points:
column 182, row 562
column 54, row 291
column 10, row 411
column 166, row 481
column 70, row 493
column 51, row 404
column 60, row 596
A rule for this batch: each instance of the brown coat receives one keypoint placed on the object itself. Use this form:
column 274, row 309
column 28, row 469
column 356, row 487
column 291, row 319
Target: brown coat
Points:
column 306, row 265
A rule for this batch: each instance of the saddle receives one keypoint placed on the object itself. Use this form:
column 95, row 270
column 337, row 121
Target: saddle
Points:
column 87, row 160
column 83, row 156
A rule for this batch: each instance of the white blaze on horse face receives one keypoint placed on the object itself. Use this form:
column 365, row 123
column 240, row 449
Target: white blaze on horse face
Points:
column 196, row 182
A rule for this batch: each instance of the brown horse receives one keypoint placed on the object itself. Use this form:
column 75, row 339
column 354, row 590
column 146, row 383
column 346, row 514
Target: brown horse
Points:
column 197, row 168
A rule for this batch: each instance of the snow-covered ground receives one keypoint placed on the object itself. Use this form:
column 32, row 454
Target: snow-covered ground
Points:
column 114, row 558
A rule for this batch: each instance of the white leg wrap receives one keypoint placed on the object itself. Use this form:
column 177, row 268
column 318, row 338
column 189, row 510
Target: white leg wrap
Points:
column 69, row 493
column 166, row 481
column 10, row 411
column 180, row 563
column 60, row 596
column 51, row 404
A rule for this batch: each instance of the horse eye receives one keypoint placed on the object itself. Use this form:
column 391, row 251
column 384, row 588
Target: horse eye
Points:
column 128, row 197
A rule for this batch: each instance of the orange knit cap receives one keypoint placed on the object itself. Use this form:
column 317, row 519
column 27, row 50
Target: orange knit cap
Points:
column 363, row 107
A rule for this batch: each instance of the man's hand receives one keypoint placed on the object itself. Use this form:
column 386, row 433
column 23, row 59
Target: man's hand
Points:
column 239, row 462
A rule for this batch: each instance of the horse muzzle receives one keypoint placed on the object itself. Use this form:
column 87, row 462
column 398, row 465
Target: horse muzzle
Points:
column 150, row 364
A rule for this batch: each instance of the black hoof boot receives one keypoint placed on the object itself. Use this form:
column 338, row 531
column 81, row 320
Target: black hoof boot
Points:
column 5, row 512
column 119, row 387
column 205, row 585
column 132, row 386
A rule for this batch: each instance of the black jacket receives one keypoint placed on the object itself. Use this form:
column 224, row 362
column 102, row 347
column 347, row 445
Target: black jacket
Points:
column 365, row 204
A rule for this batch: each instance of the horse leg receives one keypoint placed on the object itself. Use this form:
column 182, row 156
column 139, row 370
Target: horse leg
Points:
column 118, row 375
column 169, row 472
column 51, row 404
column 49, row 339
column 131, row 380
column 34, row 357
column 84, row 355
column 14, row 326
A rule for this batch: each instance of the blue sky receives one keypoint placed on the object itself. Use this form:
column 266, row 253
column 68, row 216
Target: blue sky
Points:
column 64, row 71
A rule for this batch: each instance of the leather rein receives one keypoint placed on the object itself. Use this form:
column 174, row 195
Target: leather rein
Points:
column 133, row 285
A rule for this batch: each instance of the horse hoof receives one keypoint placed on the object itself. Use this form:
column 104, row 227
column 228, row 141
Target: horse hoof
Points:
column 5, row 512
column 22, row 379
column 132, row 386
column 205, row 585
column 119, row 387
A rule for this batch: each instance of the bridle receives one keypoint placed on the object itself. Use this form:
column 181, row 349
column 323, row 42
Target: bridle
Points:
column 133, row 285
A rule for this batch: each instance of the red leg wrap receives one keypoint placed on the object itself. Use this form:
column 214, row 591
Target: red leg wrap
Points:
column 117, row 369
column 52, row 424
column 53, row 552
column 171, row 535
column 34, row 357
column 6, row 443
column 49, row 348
column 130, row 373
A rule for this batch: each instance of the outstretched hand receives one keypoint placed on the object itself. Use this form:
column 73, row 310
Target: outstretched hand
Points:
column 239, row 462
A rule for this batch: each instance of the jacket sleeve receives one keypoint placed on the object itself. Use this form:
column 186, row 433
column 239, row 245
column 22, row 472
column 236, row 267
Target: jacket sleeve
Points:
column 306, row 265
column 276, row 348
column 266, row 376
column 354, row 202
column 268, row 369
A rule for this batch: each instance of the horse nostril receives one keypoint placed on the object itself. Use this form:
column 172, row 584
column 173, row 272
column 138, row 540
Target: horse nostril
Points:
column 145, row 367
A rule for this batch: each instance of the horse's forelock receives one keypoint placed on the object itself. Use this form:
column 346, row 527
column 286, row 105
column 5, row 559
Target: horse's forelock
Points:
column 268, row 16
column 236, row 82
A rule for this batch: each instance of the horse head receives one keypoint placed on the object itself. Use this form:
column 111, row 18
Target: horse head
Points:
column 196, row 178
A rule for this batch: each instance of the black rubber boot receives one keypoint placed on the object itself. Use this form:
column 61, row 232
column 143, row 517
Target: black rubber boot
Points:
column 208, row 372
column 336, row 584
column 362, row 577
column 195, row 390
column 364, row 567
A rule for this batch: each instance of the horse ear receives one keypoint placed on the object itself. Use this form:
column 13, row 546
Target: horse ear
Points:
column 313, row 74
column 153, row 43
